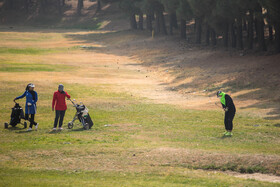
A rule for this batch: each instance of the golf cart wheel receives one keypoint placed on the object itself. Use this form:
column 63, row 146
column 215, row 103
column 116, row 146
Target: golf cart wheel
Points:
column 70, row 125
column 25, row 125
column 6, row 125
column 86, row 126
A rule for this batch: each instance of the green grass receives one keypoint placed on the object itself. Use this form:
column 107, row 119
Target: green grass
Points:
column 33, row 51
column 134, row 142
column 21, row 177
column 29, row 67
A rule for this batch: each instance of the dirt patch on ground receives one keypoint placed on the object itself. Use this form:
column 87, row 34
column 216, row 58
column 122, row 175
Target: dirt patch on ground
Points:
column 214, row 161
column 256, row 176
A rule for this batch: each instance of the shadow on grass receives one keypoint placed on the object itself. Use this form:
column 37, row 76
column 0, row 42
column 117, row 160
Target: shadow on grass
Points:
column 224, row 137
column 79, row 129
column 24, row 132
column 15, row 128
column 55, row 131
column 231, row 69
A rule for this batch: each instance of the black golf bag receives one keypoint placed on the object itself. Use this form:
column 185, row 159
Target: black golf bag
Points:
column 82, row 115
column 16, row 116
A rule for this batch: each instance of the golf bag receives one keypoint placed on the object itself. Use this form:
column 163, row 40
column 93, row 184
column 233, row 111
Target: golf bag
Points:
column 82, row 115
column 16, row 116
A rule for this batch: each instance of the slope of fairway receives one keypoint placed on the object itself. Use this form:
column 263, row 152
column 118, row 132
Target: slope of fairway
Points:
column 135, row 140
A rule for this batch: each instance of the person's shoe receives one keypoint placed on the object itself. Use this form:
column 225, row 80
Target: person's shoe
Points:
column 228, row 134
column 54, row 129
column 60, row 128
column 30, row 129
column 225, row 132
column 36, row 126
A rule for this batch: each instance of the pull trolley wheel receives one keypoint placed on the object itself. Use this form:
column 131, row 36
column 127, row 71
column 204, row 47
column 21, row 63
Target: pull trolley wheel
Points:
column 86, row 126
column 6, row 125
column 25, row 125
column 70, row 125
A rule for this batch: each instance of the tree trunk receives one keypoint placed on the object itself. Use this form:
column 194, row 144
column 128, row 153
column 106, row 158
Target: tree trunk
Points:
column 175, row 23
column 244, row 24
column 239, row 34
column 41, row 6
column 198, row 31
column 261, row 40
column 140, row 23
column 233, row 35
column 225, row 35
column 133, row 23
column 80, row 6
column 59, row 7
column 98, row 5
column 183, row 29
column 213, row 37
column 250, row 30
column 157, row 24
column 277, row 36
column 270, row 28
column 149, row 20
column 9, row 4
column 256, row 29
column 170, row 25
column 26, row 5
column 207, row 35
column 162, row 23
column 260, row 24
column 172, row 22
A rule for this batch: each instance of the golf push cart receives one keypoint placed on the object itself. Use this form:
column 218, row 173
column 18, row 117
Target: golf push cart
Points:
column 16, row 116
column 82, row 115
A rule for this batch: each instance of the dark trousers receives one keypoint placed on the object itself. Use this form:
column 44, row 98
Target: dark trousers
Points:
column 229, row 115
column 30, row 119
column 59, row 114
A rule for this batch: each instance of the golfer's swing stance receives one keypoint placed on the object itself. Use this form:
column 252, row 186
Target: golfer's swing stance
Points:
column 229, row 108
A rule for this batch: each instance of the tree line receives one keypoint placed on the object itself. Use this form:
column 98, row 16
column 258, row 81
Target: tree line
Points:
column 250, row 24
column 44, row 6
column 241, row 23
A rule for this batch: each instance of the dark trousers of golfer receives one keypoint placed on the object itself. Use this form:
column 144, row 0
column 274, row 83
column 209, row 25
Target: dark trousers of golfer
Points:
column 229, row 115
column 60, row 105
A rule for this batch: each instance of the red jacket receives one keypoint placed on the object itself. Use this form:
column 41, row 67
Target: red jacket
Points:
column 59, row 100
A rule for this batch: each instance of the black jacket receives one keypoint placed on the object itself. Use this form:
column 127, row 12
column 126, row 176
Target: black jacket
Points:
column 229, row 104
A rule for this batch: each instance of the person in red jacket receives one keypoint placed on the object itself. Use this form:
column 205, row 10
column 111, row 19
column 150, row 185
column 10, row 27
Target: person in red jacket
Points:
column 59, row 105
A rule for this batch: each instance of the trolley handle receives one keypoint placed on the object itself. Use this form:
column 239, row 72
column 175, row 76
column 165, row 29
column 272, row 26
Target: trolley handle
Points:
column 72, row 101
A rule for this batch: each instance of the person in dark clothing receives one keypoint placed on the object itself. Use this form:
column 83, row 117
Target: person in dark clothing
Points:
column 59, row 105
column 30, row 106
column 230, row 110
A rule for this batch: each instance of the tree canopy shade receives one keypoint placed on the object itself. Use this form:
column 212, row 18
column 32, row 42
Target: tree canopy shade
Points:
column 241, row 24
